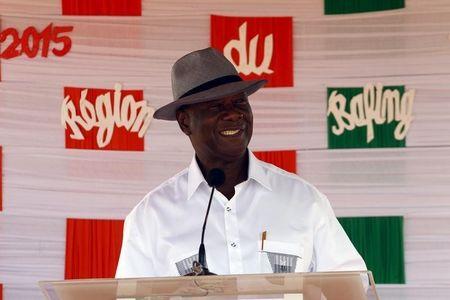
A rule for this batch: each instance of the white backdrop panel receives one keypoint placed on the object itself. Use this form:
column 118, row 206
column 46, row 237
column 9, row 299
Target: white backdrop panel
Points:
column 408, row 181
column 45, row 183
column 395, row 48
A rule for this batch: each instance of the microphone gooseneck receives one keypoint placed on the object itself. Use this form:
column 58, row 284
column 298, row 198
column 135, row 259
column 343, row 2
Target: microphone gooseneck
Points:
column 215, row 178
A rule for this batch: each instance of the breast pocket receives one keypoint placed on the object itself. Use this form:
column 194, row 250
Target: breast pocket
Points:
column 184, row 262
column 281, row 257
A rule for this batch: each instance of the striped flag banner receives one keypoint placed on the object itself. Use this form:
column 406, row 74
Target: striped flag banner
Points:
column 336, row 7
column 102, row 7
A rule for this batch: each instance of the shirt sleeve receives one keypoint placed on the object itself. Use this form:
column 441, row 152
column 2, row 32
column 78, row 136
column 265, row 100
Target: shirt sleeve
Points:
column 333, row 250
column 135, row 259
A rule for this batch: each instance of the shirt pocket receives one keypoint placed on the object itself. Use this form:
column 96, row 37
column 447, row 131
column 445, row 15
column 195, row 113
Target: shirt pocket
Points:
column 182, row 263
column 281, row 257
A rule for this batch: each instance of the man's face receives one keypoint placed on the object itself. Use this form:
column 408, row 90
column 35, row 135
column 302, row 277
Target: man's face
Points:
column 219, row 129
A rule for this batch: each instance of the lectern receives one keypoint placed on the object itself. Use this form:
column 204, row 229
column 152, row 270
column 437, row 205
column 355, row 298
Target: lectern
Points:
column 286, row 286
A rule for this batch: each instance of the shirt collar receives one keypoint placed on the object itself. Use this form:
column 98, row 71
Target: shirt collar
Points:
column 195, row 177
column 255, row 172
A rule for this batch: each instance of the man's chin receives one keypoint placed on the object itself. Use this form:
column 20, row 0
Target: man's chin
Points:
column 233, row 155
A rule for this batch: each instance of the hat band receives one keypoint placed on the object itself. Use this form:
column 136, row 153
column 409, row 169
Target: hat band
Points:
column 212, row 84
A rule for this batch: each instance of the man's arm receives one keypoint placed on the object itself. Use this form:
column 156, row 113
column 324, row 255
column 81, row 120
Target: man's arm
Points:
column 135, row 259
column 333, row 250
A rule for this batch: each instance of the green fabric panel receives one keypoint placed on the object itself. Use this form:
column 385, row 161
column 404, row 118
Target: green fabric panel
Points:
column 335, row 7
column 379, row 240
column 356, row 138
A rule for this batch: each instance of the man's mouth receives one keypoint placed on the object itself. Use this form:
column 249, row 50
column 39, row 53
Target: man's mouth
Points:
column 230, row 132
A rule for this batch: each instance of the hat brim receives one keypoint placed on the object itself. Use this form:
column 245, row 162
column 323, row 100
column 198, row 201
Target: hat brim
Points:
column 168, row 112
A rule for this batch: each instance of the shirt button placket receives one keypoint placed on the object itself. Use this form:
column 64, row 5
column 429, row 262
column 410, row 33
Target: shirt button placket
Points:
column 234, row 251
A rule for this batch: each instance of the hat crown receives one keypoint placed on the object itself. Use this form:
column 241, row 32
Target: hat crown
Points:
column 197, row 68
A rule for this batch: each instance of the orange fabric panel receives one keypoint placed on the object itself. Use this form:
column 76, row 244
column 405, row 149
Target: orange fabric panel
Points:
column 102, row 7
column 92, row 248
column 122, row 139
column 1, row 180
column 256, row 62
column 284, row 159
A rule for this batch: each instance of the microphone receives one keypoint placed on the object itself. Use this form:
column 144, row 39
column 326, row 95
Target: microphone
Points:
column 215, row 178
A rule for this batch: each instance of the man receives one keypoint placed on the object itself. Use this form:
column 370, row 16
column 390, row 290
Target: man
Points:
column 262, row 219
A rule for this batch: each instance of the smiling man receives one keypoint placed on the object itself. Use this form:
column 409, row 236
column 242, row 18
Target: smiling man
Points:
column 220, row 132
column 262, row 219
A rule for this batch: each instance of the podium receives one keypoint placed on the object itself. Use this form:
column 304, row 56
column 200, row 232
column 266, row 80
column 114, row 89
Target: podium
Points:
column 353, row 285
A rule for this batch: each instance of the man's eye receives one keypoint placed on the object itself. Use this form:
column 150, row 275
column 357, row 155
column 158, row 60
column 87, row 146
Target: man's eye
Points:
column 241, row 101
column 215, row 107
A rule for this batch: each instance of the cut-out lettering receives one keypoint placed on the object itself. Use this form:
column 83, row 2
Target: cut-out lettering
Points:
column 373, row 106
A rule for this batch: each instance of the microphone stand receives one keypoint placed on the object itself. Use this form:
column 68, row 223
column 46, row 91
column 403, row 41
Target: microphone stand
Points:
column 215, row 178
column 199, row 267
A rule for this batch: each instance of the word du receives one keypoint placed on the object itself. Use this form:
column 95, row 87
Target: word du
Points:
column 247, row 61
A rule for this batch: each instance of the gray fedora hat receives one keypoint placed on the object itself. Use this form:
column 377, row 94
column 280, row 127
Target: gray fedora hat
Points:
column 202, row 76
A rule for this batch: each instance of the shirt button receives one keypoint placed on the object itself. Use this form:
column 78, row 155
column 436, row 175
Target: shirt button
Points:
column 228, row 208
column 233, row 244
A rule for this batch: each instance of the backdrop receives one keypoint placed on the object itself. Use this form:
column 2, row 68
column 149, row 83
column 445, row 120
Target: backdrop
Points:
column 44, row 183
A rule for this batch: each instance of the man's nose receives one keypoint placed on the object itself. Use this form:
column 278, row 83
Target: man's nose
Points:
column 231, row 113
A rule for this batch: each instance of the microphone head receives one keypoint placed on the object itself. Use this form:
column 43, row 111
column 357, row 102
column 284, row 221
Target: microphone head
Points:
column 215, row 177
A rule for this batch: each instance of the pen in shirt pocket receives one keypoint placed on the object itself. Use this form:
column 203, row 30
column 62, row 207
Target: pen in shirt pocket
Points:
column 263, row 238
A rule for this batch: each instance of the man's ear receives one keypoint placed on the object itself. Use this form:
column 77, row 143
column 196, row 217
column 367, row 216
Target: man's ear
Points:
column 184, row 121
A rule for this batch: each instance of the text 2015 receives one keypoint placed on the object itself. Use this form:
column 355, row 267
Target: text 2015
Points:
column 52, row 38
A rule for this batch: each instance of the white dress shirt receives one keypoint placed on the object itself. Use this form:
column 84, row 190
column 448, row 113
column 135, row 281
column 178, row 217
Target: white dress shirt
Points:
column 162, row 233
